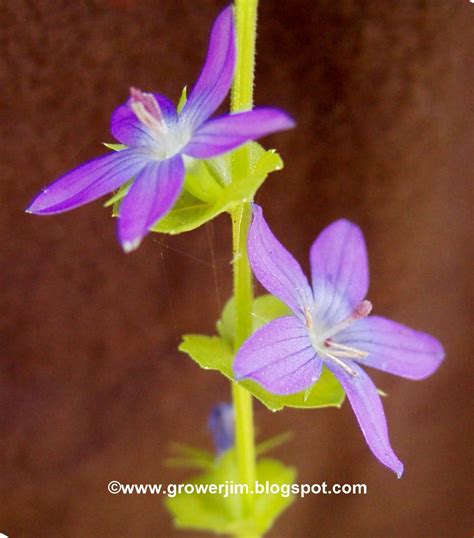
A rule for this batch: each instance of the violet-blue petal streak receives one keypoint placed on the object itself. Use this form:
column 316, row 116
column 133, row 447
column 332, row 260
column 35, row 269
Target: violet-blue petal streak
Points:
column 228, row 132
column 275, row 267
column 394, row 348
column 339, row 270
column 215, row 79
column 280, row 357
column 89, row 182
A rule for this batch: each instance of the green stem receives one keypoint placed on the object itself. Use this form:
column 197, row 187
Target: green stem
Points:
column 242, row 399
column 246, row 26
column 242, row 99
column 243, row 409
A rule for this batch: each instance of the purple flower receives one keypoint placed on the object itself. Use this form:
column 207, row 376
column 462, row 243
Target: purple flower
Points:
column 221, row 424
column 330, row 325
column 157, row 137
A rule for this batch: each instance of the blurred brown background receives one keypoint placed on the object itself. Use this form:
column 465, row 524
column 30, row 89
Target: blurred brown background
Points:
column 91, row 385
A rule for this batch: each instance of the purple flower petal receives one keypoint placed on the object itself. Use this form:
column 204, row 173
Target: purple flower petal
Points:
column 216, row 76
column 339, row 269
column 280, row 357
column 394, row 348
column 367, row 406
column 227, row 132
column 151, row 195
column 127, row 129
column 89, row 182
column 275, row 267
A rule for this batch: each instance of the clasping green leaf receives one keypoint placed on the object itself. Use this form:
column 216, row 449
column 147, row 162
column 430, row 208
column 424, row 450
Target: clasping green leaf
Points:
column 216, row 353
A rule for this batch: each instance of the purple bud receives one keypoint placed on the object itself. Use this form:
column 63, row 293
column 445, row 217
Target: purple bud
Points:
column 221, row 425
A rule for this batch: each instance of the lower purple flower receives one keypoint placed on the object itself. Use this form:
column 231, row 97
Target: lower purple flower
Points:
column 157, row 137
column 330, row 326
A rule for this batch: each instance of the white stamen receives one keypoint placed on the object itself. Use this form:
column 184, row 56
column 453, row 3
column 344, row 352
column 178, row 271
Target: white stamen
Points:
column 345, row 351
column 308, row 318
column 343, row 365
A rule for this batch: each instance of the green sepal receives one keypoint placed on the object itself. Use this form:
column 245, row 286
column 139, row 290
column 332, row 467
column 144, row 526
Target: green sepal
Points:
column 114, row 201
column 219, row 514
column 182, row 100
column 192, row 457
column 272, row 443
column 264, row 309
column 189, row 457
column 195, row 207
column 115, row 147
column 199, row 182
column 122, row 191
column 211, row 187
column 216, row 353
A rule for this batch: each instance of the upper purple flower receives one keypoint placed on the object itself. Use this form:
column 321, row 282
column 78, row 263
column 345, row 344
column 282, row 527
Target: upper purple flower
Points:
column 330, row 325
column 157, row 137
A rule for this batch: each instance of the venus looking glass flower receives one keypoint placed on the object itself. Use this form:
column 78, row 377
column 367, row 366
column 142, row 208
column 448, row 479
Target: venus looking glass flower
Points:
column 157, row 137
column 330, row 326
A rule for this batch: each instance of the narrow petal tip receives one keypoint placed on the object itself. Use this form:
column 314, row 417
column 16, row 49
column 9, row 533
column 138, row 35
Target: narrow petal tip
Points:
column 37, row 206
column 399, row 470
column 287, row 121
column 130, row 246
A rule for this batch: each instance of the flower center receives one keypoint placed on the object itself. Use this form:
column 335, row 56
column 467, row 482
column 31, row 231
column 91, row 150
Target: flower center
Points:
column 323, row 341
column 149, row 114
